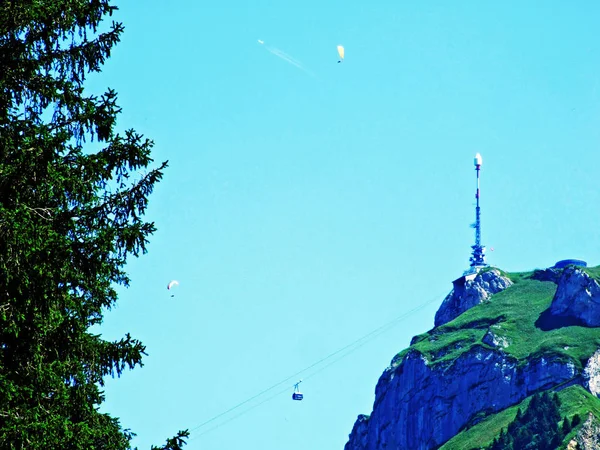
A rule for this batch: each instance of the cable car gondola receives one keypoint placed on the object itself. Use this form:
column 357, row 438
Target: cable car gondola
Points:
column 297, row 395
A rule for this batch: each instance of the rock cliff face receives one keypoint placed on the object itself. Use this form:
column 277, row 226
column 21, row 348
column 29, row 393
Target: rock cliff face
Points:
column 419, row 406
column 470, row 292
column 577, row 297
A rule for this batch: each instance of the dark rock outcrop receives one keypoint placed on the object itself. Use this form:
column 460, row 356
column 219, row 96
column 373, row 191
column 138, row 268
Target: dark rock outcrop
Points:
column 551, row 274
column 359, row 435
column 495, row 341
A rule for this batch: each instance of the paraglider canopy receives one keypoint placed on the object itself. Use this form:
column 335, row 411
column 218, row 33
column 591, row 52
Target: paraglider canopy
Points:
column 340, row 50
column 171, row 285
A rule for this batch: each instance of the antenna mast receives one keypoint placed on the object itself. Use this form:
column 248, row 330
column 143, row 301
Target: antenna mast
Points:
column 477, row 258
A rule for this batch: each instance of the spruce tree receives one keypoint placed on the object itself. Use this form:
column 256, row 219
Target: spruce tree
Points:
column 566, row 426
column 64, row 235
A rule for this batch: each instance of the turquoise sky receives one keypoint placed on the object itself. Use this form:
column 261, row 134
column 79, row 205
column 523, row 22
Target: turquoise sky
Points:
column 301, row 212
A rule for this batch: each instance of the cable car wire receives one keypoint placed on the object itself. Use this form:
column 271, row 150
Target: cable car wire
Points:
column 366, row 338
column 277, row 394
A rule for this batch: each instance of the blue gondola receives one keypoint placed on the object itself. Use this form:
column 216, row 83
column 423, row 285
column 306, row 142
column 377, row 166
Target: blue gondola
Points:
column 297, row 395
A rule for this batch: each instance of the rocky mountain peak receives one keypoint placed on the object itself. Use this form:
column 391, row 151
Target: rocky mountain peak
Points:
column 468, row 291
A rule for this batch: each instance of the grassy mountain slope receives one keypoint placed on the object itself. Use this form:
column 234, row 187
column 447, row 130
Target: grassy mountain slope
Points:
column 516, row 316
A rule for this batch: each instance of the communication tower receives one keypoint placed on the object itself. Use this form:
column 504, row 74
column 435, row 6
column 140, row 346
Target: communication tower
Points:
column 478, row 255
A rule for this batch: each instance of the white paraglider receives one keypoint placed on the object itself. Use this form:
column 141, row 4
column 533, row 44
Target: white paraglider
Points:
column 171, row 285
column 341, row 52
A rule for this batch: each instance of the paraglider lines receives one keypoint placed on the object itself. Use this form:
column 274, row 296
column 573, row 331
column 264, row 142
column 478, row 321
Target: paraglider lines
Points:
column 358, row 343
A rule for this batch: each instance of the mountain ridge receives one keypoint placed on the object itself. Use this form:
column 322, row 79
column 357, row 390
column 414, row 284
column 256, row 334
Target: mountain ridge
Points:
column 522, row 333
